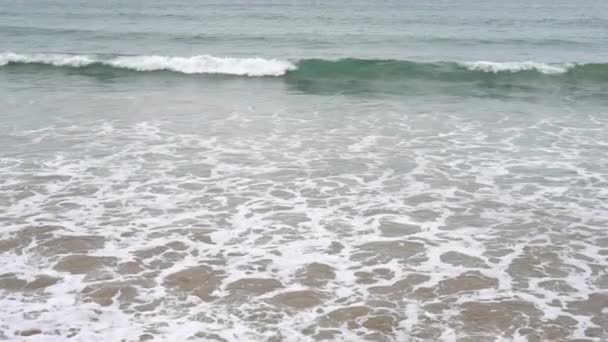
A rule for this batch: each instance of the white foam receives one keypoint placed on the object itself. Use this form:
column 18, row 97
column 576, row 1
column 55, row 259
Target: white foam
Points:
column 50, row 59
column 265, row 218
column 202, row 64
column 206, row 65
column 496, row 67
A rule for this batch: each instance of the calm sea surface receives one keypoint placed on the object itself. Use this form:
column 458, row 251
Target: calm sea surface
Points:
column 303, row 170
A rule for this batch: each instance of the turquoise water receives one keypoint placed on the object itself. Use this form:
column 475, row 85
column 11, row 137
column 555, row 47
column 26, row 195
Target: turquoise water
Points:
column 303, row 171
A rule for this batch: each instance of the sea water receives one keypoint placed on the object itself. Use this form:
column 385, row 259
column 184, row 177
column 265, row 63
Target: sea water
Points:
column 303, row 170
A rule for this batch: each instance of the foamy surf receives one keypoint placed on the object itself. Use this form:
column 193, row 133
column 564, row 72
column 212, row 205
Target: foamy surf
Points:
column 202, row 64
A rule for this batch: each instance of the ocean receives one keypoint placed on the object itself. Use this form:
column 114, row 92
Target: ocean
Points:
column 304, row 170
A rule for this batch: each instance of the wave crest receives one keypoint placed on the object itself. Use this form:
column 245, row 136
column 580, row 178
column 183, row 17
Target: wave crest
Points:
column 203, row 64
column 50, row 59
column 496, row 67
column 306, row 70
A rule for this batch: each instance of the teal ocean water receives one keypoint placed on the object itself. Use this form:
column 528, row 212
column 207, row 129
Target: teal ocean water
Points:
column 304, row 170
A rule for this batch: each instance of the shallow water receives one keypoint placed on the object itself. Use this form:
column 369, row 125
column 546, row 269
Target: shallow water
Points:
column 365, row 199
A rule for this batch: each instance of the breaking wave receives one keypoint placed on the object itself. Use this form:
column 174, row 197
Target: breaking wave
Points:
column 349, row 68
column 203, row 64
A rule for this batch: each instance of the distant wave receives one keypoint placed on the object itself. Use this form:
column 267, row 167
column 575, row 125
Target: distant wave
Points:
column 309, row 69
